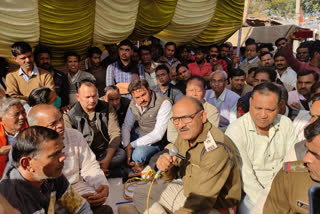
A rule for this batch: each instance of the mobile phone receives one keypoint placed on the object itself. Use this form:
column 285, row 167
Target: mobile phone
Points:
column 314, row 199
column 303, row 34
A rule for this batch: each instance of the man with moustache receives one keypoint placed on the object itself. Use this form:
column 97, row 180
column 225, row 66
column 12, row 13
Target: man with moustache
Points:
column 42, row 56
column 238, row 82
column 151, row 111
column 210, row 175
column 262, row 138
column 21, row 82
column 149, row 65
column 289, row 190
column 200, row 67
column 266, row 59
column 35, row 183
column 285, row 73
column 81, row 164
column 97, row 121
column 299, row 99
column 168, row 58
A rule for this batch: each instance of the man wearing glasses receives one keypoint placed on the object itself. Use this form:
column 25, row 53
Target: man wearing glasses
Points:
column 210, row 173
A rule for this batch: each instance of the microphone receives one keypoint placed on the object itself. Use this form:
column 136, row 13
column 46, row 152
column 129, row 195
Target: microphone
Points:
column 172, row 152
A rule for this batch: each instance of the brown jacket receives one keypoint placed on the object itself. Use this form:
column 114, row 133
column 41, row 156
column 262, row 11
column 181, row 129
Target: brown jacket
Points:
column 289, row 190
column 19, row 88
column 210, row 179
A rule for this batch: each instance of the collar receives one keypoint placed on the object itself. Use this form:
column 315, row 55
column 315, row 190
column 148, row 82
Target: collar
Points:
column 222, row 95
column 35, row 71
column 275, row 125
column 203, row 135
column 251, row 60
column 286, row 113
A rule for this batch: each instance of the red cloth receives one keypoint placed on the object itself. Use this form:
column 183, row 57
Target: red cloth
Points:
column 3, row 142
column 295, row 64
column 195, row 70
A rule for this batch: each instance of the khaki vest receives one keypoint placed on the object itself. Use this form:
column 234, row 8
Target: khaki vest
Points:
column 148, row 118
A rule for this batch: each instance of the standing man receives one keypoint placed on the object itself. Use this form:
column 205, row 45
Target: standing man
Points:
column 81, row 162
column 222, row 98
column 281, row 42
column 149, row 65
column 123, row 71
column 200, row 67
column 238, row 82
column 266, row 59
column 285, row 73
column 168, row 59
column 75, row 75
column 21, row 82
column 35, row 183
column 262, row 138
column 210, row 173
column 97, row 121
column 303, row 52
column 43, row 57
column 12, row 121
column 96, row 69
column 151, row 111
column 164, row 86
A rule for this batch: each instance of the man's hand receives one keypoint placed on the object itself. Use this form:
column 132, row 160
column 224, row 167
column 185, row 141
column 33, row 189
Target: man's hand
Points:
column 166, row 162
column 129, row 150
column 104, row 165
column 99, row 197
column 65, row 109
column 296, row 106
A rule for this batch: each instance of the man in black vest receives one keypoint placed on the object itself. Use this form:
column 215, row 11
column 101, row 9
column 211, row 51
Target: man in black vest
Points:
column 151, row 111
column 97, row 121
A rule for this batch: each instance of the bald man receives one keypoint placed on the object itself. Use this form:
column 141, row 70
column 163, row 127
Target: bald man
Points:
column 210, row 173
column 81, row 164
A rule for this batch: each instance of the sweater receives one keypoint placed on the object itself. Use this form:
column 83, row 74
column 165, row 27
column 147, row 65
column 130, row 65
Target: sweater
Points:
column 19, row 88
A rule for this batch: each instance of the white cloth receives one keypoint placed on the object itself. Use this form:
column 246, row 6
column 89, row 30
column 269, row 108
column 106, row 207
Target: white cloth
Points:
column 81, row 167
column 300, row 123
column 288, row 77
column 260, row 156
column 155, row 135
column 295, row 97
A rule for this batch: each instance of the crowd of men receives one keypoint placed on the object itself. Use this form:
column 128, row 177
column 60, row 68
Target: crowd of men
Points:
column 246, row 125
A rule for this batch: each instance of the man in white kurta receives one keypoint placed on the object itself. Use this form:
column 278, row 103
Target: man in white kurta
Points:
column 262, row 138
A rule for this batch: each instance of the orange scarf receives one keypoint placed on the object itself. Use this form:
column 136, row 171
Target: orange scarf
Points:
column 3, row 142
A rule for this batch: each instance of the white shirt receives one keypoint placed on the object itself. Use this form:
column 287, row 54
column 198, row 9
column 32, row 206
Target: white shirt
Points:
column 295, row 97
column 260, row 156
column 289, row 77
column 81, row 167
column 155, row 135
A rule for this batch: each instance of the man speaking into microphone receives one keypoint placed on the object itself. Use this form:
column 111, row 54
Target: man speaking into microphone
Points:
column 210, row 174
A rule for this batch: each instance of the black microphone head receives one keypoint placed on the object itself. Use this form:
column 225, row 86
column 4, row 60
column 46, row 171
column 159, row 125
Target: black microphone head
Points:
column 173, row 151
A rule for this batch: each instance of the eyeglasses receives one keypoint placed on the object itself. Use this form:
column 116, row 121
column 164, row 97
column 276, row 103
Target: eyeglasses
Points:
column 185, row 119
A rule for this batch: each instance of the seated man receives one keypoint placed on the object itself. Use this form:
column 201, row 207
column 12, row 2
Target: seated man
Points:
column 12, row 120
column 200, row 67
column 261, row 75
column 196, row 89
column 299, row 99
column 262, row 138
column 164, row 86
column 237, row 82
column 289, row 190
column 43, row 58
column 81, row 164
column 28, row 77
column 168, row 58
column 75, row 75
column 35, row 183
column 151, row 111
column 97, row 121
column 183, row 74
column 210, row 173
column 119, row 103
column 222, row 98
